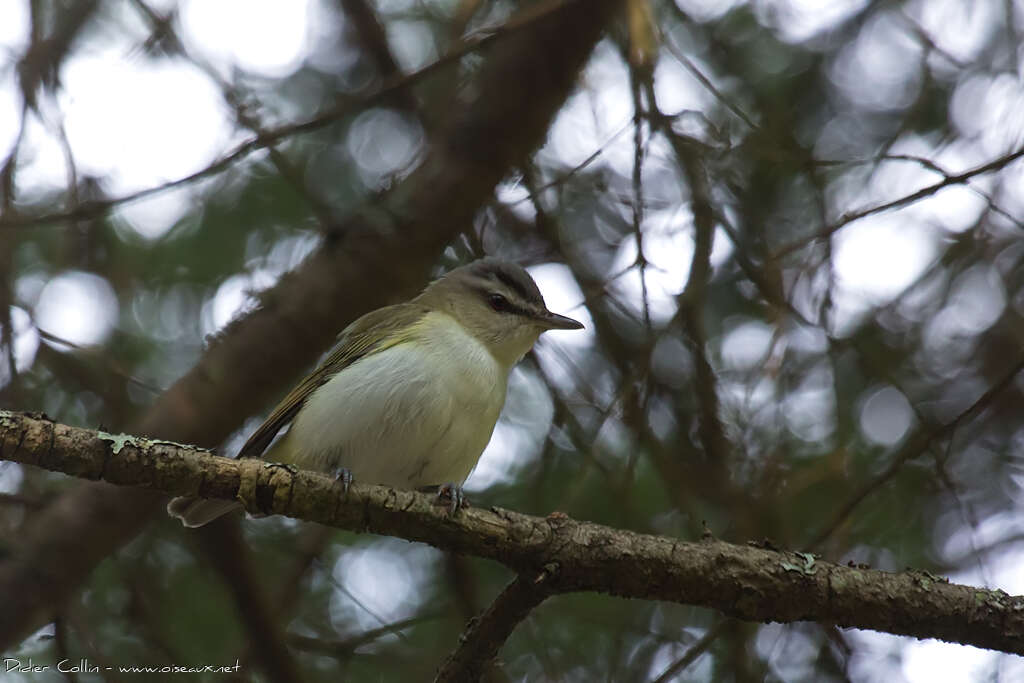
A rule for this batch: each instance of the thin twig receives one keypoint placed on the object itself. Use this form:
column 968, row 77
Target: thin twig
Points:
column 692, row 299
column 914, row 448
column 485, row 635
column 846, row 219
column 694, row 651
column 347, row 105
column 343, row 649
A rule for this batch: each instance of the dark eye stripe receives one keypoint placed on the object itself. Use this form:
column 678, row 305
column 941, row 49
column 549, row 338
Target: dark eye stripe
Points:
column 510, row 306
column 513, row 284
column 524, row 290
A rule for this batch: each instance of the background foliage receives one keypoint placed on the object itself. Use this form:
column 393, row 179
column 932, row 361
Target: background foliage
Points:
column 792, row 232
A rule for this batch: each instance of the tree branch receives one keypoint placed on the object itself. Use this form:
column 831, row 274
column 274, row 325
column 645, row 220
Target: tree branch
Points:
column 484, row 635
column 751, row 583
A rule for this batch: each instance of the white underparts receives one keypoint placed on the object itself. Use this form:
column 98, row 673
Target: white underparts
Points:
column 416, row 414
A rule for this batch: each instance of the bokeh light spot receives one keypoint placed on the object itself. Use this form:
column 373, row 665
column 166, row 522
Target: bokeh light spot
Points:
column 885, row 417
column 77, row 306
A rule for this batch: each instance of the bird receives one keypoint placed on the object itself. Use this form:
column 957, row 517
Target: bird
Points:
column 411, row 393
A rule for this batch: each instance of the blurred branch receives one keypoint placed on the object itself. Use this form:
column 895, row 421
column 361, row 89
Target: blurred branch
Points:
column 640, row 56
column 926, row 39
column 927, row 191
column 381, row 254
column 244, row 110
column 112, row 366
column 147, row 617
column 484, row 635
column 95, row 208
column 61, row 645
column 746, row 582
column 8, row 242
column 307, row 549
column 343, row 649
column 915, row 447
column 535, row 191
column 706, row 82
column 928, row 165
column 68, row 623
column 24, row 501
column 693, row 298
column 223, row 545
column 461, row 583
column 599, row 300
column 523, row 20
column 693, row 652
column 372, row 38
column 39, row 66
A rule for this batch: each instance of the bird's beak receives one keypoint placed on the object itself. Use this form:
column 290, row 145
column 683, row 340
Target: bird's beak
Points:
column 553, row 321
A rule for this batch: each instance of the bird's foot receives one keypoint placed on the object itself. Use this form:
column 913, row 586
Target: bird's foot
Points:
column 290, row 469
column 343, row 475
column 451, row 494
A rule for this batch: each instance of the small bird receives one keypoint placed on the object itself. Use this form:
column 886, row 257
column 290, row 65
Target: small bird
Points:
column 411, row 393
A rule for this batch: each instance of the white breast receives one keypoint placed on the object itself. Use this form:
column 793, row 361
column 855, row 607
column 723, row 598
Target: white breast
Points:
column 416, row 414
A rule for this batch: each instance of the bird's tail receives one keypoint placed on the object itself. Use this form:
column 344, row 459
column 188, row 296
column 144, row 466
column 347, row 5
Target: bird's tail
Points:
column 195, row 512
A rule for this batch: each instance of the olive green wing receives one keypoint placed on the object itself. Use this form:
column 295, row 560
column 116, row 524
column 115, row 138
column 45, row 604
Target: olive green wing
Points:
column 375, row 331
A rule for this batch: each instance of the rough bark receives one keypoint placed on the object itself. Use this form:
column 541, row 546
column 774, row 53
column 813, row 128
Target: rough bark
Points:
column 747, row 582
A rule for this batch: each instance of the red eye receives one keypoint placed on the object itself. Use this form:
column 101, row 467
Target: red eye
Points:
column 498, row 302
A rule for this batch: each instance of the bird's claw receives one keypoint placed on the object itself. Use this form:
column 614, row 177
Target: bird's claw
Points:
column 344, row 475
column 451, row 494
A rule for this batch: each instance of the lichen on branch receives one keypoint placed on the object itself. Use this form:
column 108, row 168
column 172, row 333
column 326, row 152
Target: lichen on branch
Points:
column 746, row 582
